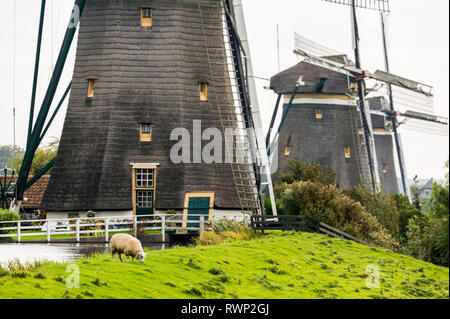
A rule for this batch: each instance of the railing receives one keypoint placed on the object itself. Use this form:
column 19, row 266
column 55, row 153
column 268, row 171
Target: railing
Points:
column 101, row 226
column 299, row 223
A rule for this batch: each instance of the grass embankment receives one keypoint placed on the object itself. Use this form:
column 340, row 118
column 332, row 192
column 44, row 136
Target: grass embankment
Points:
column 297, row 265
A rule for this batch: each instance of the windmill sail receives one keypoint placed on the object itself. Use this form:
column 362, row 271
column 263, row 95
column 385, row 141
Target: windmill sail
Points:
column 412, row 100
column 378, row 5
column 314, row 48
column 425, row 123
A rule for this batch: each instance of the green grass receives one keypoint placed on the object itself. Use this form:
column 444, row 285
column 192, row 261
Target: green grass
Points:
column 287, row 265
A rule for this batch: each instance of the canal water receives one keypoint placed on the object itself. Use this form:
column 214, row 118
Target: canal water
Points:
column 58, row 252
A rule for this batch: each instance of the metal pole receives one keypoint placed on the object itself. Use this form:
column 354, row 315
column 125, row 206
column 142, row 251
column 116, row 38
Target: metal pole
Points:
column 243, row 93
column 202, row 223
column 55, row 112
column 14, row 130
column 367, row 131
column 256, row 111
column 391, row 104
column 278, row 48
column 36, row 70
column 107, row 229
column 163, row 228
column 19, row 233
column 46, row 104
column 283, row 118
column 77, row 230
column 48, row 231
column 272, row 121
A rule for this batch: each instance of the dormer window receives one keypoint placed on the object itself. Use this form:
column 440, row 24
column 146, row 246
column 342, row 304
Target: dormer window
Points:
column 146, row 17
column 319, row 114
column 348, row 153
column 203, row 87
column 287, row 150
column 146, row 132
column 90, row 92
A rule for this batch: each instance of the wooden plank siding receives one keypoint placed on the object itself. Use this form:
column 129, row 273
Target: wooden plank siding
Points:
column 143, row 75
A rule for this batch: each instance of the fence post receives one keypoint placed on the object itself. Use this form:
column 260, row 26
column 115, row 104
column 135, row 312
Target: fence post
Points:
column 107, row 229
column 163, row 228
column 48, row 231
column 202, row 223
column 18, row 231
column 263, row 224
column 78, row 230
column 135, row 225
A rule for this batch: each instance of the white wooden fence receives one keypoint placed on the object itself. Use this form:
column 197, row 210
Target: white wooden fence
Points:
column 101, row 226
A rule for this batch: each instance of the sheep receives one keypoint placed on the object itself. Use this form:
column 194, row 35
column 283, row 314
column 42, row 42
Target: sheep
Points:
column 128, row 245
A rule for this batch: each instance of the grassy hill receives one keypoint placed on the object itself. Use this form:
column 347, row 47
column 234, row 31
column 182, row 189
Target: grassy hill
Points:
column 292, row 265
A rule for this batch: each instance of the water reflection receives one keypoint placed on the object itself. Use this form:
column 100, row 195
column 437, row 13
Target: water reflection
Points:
column 58, row 252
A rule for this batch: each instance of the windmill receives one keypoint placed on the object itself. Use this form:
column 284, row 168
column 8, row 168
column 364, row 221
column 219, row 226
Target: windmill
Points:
column 417, row 97
column 143, row 74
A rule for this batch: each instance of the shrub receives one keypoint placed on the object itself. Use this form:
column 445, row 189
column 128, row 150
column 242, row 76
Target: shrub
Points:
column 406, row 211
column 268, row 205
column 330, row 205
column 6, row 216
column 208, row 238
column 233, row 229
column 311, row 171
column 380, row 205
column 224, row 229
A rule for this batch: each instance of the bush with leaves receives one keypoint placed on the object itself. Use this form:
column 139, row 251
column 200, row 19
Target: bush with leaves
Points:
column 311, row 171
column 428, row 232
column 42, row 157
column 6, row 216
column 330, row 205
column 225, row 229
column 380, row 205
column 268, row 206
column 423, row 240
column 406, row 211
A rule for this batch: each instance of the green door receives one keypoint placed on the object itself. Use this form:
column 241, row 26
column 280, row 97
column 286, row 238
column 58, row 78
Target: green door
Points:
column 198, row 206
column 144, row 202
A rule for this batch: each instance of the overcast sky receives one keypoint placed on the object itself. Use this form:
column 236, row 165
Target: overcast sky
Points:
column 419, row 49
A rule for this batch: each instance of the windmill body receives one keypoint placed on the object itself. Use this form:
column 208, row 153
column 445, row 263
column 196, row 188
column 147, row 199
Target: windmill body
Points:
column 323, row 125
column 142, row 70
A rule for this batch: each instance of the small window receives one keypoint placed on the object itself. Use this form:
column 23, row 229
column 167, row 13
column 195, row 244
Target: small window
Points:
column 144, row 199
column 145, row 178
column 73, row 215
column 319, row 114
column 348, row 152
column 385, row 169
column 90, row 93
column 146, row 17
column 203, row 91
column 287, row 150
column 146, row 132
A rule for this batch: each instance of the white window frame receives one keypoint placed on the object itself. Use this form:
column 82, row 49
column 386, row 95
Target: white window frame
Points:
column 145, row 177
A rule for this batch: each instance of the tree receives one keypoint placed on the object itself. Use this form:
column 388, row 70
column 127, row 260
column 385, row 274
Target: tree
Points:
column 428, row 232
column 330, row 205
column 380, row 205
column 439, row 210
column 415, row 194
column 311, row 171
column 42, row 157
column 6, row 152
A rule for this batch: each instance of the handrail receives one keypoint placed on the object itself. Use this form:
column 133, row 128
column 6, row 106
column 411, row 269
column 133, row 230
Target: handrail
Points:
column 300, row 222
column 103, row 225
